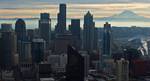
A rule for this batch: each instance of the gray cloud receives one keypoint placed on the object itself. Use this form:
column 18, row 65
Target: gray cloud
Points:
column 76, row 1
column 93, row 1
column 35, row 3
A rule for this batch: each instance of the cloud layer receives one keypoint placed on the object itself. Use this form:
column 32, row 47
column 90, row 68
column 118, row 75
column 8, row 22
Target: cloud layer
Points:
column 101, row 8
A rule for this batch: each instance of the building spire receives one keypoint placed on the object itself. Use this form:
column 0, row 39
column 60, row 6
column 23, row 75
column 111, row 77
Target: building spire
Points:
column 88, row 13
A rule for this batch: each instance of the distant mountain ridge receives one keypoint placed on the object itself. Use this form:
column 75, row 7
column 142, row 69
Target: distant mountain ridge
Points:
column 126, row 15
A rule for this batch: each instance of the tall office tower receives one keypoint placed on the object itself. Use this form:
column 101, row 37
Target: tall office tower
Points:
column 45, row 27
column 38, row 50
column 20, row 29
column 75, row 31
column 8, row 48
column 107, row 40
column 122, row 70
column 75, row 66
column 61, row 23
column 25, row 54
column 88, row 32
column 75, row 28
column 6, row 27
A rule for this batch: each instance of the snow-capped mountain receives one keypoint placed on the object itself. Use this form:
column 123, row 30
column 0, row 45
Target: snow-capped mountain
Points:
column 126, row 16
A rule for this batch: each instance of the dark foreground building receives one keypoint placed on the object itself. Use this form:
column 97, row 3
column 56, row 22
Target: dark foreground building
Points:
column 7, row 48
column 75, row 66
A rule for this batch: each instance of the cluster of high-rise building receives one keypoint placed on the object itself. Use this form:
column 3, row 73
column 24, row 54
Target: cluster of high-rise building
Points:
column 71, row 54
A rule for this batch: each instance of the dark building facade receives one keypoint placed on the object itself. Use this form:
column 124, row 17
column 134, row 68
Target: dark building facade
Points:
column 88, row 32
column 75, row 28
column 107, row 40
column 96, row 35
column 6, row 27
column 8, row 48
column 38, row 49
column 75, row 66
column 45, row 27
column 61, row 23
column 61, row 43
column 25, row 53
column 76, row 32
column 45, row 70
column 30, row 34
column 20, row 29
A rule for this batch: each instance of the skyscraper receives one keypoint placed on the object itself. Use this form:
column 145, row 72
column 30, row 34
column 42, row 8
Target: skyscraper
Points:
column 75, row 66
column 61, row 23
column 25, row 53
column 107, row 40
column 20, row 29
column 122, row 70
column 75, row 31
column 88, row 32
column 8, row 48
column 38, row 50
column 45, row 27
column 75, row 28
column 6, row 27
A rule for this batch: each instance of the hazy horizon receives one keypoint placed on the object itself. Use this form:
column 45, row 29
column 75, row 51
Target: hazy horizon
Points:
column 75, row 9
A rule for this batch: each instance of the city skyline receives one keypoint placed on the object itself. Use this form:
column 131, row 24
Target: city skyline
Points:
column 71, row 46
column 31, row 9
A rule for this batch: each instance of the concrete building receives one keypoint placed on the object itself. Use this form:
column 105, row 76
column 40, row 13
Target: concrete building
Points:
column 7, row 75
column 61, row 42
column 58, row 62
column 122, row 70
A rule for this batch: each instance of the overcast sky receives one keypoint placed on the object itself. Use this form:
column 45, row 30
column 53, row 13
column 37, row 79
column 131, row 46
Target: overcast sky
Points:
column 76, row 1
column 37, row 3
column 18, row 3
column 99, row 8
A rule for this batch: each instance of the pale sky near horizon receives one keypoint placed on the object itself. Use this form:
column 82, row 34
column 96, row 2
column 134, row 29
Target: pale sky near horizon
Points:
column 75, row 8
